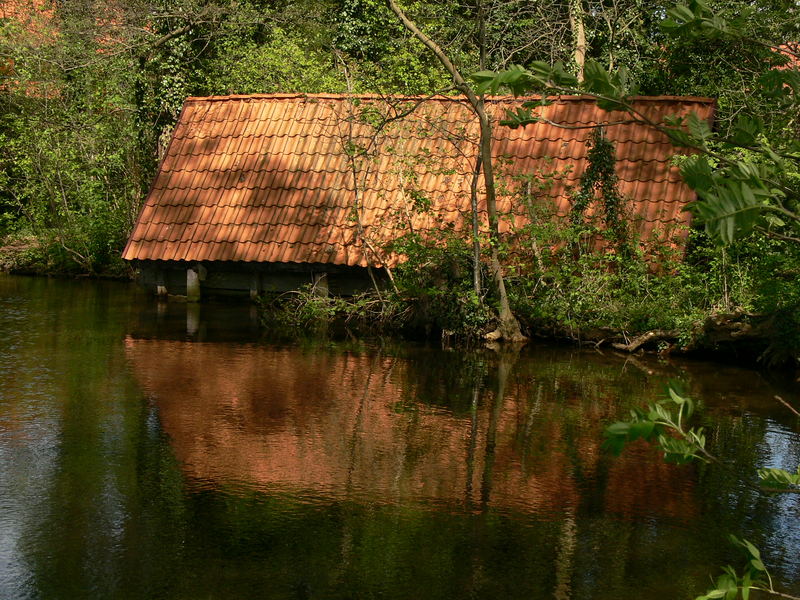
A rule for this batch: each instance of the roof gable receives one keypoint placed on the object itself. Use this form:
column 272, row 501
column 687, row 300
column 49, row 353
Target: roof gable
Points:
column 296, row 178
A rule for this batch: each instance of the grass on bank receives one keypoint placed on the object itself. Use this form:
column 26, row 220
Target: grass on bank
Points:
column 560, row 286
column 574, row 292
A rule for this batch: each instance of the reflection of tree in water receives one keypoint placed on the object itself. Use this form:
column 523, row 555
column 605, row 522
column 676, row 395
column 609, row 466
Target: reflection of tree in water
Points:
column 277, row 418
column 247, row 471
column 99, row 482
column 404, row 450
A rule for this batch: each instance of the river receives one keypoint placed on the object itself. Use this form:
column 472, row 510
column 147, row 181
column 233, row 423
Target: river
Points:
column 174, row 451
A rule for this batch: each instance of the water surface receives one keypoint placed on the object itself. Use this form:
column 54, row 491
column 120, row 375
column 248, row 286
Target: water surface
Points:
column 167, row 451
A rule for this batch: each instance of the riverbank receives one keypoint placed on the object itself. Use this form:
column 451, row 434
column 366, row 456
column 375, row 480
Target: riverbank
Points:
column 763, row 340
column 738, row 305
column 744, row 338
column 26, row 254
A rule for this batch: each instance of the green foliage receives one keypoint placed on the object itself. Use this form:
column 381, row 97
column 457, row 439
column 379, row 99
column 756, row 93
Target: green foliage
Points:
column 434, row 297
column 565, row 277
column 663, row 423
column 521, row 80
column 599, row 185
column 381, row 54
column 282, row 63
column 730, row 585
column 582, row 274
column 71, row 176
column 747, row 173
column 779, row 478
column 757, row 275
column 436, row 279
column 70, row 160
column 666, row 424
column 79, row 152
column 307, row 310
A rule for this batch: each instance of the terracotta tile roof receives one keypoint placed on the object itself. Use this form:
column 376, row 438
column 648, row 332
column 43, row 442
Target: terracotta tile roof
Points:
column 34, row 18
column 268, row 177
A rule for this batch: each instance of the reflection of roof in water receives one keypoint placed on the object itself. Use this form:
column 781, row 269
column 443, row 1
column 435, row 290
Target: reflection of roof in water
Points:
column 351, row 426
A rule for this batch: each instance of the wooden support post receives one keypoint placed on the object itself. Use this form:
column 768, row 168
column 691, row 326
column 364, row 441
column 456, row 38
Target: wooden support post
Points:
column 194, row 275
column 192, row 285
column 320, row 284
column 255, row 285
column 161, row 287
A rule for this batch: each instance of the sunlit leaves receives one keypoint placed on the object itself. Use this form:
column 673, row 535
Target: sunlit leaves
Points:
column 663, row 423
column 733, row 200
column 611, row 89
column 730, row 584
column 537, row 77
column 694, row 19
column 779, row 478
column 728, row 209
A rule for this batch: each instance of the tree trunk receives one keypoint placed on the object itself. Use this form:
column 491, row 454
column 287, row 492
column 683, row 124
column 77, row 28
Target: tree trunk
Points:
column 476, row 233
column 508, row 328
column 578, row 37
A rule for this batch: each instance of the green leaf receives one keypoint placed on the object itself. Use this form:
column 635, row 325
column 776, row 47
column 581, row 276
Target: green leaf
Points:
column 778, row 478
column 696, row 172
column 699, row 128
column 729, row 209
column 483, row 76
column 680, row 12
column 598, row 81
column 669, row 24
column 774, row 220
column 747, row 583
column 675, row 396
column 746, row 130
column 619, row 428
column 727, row 583
column 680, row 138
column 641, row 429
column 519, row 118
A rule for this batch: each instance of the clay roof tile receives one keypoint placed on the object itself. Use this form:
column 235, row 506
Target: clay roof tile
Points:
column 268, row 177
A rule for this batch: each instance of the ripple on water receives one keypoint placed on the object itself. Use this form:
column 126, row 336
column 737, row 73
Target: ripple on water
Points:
column 164, row 467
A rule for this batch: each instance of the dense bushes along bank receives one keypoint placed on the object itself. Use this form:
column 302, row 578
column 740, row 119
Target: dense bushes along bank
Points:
column 741, row 301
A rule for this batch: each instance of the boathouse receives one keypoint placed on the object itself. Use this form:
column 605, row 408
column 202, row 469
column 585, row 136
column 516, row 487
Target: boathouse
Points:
column 270, row 192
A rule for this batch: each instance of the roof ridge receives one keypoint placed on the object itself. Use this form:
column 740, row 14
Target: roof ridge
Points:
column 437, row 98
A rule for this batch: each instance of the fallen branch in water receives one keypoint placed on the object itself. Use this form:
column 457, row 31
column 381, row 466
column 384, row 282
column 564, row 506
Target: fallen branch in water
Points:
column 656, row 335
column 787, row 405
